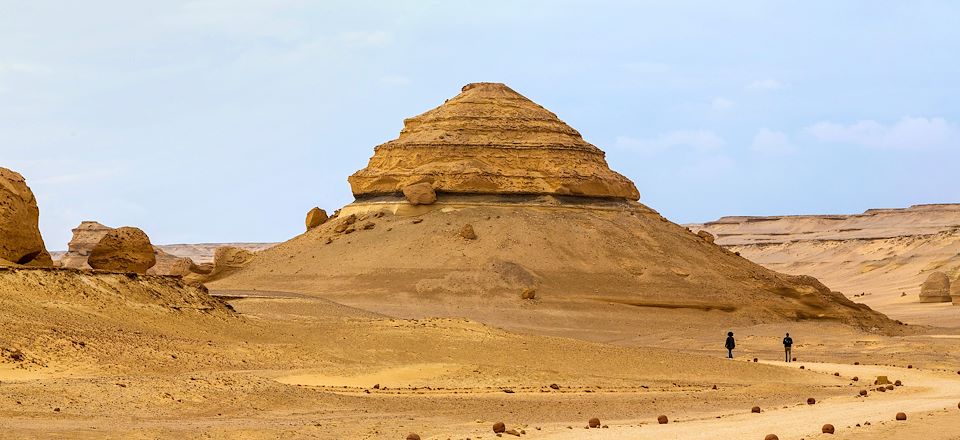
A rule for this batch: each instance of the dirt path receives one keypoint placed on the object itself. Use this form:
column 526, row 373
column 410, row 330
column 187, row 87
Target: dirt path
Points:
column 923, row 393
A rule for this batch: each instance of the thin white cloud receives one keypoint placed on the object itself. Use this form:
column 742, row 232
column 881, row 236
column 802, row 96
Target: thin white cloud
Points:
column 721, row 104
column 772, row 142
column 765, row 85
column 698, row 140
column 366, row 38
column 907, row 133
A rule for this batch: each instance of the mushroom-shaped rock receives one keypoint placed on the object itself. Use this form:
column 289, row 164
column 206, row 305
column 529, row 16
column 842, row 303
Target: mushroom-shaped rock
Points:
column 20, row 240
column 771, row 437
column 499, row 428
column 811, row 401
column 420, row 194
column 827, row 429
column 467, row 232
column 901, row 416
column 315, row 217
column 413, row 436
column 755, row 409
column 706, row 236
column 662, row 419
column 594, row 423
column 125, row 249
column 936, row 288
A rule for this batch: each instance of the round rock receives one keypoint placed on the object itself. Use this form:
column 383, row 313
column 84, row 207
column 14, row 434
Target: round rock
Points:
column 125, row 249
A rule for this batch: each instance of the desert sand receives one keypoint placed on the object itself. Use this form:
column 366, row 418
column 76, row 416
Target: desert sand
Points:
column 525, row 284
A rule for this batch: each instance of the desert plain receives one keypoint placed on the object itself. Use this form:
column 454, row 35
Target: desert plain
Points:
column 492, row 270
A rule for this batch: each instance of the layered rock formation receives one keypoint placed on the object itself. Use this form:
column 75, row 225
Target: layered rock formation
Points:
column 880, row 257
column 20, row 240
column 936, row 288
column 490, row 139
column 85, row 238
column 545, row 213
column 124, row 249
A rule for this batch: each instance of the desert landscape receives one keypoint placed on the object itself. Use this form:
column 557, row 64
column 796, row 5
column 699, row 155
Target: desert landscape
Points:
column 493, row 277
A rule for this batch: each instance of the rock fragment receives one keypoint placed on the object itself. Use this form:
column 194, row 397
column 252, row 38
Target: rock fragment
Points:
column 467, row 232
column 827, row 429
column 499, row 428
column 662, row 419
column 901, row 416
column 315, row 217
column 594, row 423
column 420, row 194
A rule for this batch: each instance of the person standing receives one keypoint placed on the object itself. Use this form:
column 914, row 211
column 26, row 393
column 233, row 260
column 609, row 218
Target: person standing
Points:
column 730, row 345
column 788, row 346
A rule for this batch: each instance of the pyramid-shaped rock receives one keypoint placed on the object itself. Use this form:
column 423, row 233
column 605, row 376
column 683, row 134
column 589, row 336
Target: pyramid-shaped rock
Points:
column 490, row 139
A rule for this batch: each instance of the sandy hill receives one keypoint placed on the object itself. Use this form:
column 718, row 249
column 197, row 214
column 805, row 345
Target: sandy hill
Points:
column 881, row 257
column 524, row 204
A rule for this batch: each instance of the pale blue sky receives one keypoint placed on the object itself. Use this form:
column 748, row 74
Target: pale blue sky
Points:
column 226, row 120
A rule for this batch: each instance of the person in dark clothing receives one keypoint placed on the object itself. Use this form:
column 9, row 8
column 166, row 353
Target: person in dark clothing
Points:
column 730, row 345
column 788, row 346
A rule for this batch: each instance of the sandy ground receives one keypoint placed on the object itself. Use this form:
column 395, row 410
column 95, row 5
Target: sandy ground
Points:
column 110, row 356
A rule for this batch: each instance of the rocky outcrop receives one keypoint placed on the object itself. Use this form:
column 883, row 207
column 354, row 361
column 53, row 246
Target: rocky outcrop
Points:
column 936, row 288
column 315, row 217
column 490, row 139
column 955, row 291
column 85, row 238
column 20, row 240
column 125, row 249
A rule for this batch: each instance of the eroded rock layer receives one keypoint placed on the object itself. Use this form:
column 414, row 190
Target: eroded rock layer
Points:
column 490, row 139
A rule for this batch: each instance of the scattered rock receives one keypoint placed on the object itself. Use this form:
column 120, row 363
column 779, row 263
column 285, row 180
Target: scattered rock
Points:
column 827, row 429
column 20, row 239
column 368, row 225
column 714, row 387
column 901, row 416
column 412, row 436
column 863, row 393
column 499, row 428
column 345, row 223
column 594, row 423
column 755, row 409
column 882, row 389
column 755, row 360
column 315, row 217
column 125, row 249
column 512, row 432
column 662, row 420
column 554, row 386
column 909, row 366
column 855, row 378
column 420, row 193
column 836, row 374
column 889, row 387
column 771, row 437
column 794, row 359
column 529, row 293
column 898, row 383
column 802, row 367
column 467, row 232
column 811, row 401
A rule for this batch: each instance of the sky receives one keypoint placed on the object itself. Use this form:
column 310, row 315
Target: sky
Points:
column 226, row 120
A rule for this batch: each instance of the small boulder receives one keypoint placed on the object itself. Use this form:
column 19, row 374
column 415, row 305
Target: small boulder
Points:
column 512, row 432
column 125, row 249
column 529, row 293
column 898, row 383
column 827, row 429
column 662, row 420
column 706, row 236
column 863, row 393
column 554, row 386
column 420, row 194
column 413, row 436
column 499, row 428
column 755, row 409
column 855, row 378
column 811, row 401
column 594, row 423
column 771, row 437
column 901, row 416
column 889, row 387
column 315, row 217
column 467, row 232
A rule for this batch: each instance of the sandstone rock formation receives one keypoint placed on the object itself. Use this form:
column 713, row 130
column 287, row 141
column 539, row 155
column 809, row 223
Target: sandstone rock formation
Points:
column 955, row 291
column 125, row 249
column 20, row 240
column 548, row 214
column 490, row 139
column 420, row 193
column 315, row 217
column 706, row 236
column 936, row 288
column 85, row 238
